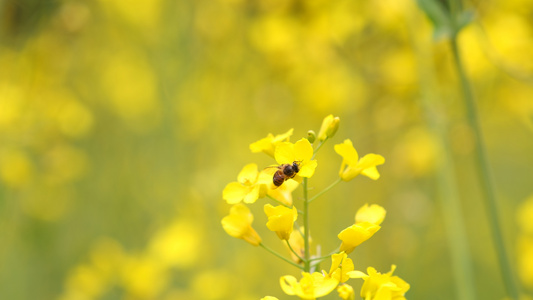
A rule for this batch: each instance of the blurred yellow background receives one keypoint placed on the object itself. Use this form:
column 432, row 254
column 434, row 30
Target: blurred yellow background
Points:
column 122, row 121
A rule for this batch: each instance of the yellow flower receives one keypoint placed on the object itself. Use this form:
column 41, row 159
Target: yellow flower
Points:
column 269, row 298
column 311, row 286
column 247, row 188
column 374, row 214
column 301, row 152
column 329, row 127
column 379, row 286
column 351, row 164
column 356, row 234
column 239, row 224
column 346, row 292
column 281, row 220
column 269, row 143
column 340, row 266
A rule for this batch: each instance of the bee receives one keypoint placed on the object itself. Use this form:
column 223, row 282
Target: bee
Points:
column 285, row 172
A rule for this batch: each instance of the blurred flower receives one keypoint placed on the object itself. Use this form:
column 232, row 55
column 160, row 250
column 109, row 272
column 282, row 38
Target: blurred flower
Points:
column 238, row 224
column 346, row 292
column 379, row 286
column 269, row 298
column 269, row 143
column 311, row 286
column 356, row 234
column 351, row 164
column 248, row 188
column 144, row 277
column 340, row 266
column 16, row 168
column 301, row 151
column 281, row 220
column 177, row 244
column 374, row 214
column 524, row 216
column 329, row 127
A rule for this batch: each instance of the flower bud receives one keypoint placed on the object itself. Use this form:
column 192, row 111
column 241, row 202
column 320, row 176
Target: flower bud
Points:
column 329, row 127
column 311, row 136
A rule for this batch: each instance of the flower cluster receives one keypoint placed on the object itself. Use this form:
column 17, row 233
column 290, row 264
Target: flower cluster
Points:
column 295, row 164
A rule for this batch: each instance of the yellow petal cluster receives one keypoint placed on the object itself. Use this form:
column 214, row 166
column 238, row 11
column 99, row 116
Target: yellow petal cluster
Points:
column 379, row 286
column 346, row 292
column 238, row 224
column 340, row 266
column 248, row 188
column 311, row 286
column 351, row 164
column 269, row 143
column 367, row 221
column 302, row 152
column 281, row 220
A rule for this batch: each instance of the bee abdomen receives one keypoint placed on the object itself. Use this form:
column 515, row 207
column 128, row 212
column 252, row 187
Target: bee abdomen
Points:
column 278, row 179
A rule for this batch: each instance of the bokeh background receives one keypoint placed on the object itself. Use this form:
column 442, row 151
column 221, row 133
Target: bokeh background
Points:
column 122, row 121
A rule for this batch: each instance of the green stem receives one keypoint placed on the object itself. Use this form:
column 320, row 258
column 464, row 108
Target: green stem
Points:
column 318, row 147
column 280, row 256
column 482, row 169
column 325, row 190
column 327, row 256
column 292, row 250
column 307, row 262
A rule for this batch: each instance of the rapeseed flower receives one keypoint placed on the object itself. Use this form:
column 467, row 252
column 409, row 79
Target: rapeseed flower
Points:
column 269, row 143
column 281, row 220
column 340, row 266
column 300, row 152
column 379, row 286
column 238, row 224
column 311, row 286
column 248, row 187
column 351, row 164
column 346, row 292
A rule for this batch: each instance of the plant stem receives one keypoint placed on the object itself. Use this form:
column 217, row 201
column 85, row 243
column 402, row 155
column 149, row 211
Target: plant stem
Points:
column 307, row 262
column 318, row 147
column 325, row 190
column 482, row 169
column 280, row 256
column 292, row 250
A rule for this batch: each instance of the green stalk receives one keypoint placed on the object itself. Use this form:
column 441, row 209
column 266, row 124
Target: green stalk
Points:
column 482, row 170
column 325, row 190
column 307, row 262
column 280, row 256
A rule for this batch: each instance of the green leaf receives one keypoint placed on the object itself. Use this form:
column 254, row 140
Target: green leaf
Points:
column 439, row 16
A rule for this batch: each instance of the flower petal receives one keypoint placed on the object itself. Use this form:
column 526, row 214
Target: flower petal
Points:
column 234, row 192
column 348, row 152
column 371, row 173
column 248, row 174
column 303, row 150
column 284, row 153
column 308, row 169
column 374, row 214
column 370, row 160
